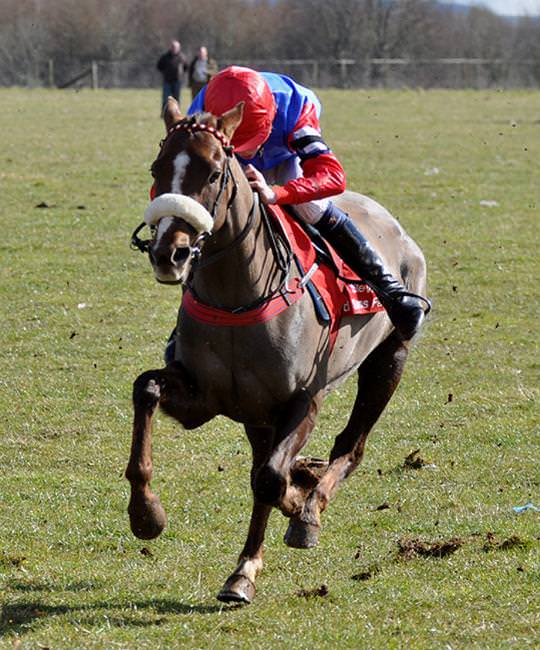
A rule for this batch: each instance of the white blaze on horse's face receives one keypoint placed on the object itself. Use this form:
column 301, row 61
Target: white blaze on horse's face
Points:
column 181, row 162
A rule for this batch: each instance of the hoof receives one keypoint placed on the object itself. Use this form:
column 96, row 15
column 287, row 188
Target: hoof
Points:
column 301, row 535
column 146, row 516
column 237, row 589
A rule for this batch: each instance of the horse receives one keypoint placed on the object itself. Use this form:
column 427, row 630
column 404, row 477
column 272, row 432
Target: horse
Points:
column 210, row 234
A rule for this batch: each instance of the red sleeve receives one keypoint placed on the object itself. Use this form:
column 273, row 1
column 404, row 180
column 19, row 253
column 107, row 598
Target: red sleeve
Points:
column 323, row 174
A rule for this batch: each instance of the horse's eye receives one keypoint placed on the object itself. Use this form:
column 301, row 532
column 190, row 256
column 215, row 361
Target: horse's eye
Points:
column 214, row 176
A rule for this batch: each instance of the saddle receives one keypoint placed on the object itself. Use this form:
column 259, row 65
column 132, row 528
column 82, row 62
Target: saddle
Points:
column 339, row 288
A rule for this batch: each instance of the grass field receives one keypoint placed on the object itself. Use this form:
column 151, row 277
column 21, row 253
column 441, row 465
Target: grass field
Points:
column 82, row 316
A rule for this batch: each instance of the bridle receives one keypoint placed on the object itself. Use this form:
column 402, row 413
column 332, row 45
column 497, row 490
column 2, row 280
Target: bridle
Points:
column 280, row 247
column 191, row 126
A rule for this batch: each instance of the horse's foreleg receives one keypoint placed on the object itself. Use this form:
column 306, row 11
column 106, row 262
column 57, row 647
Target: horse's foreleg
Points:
column 146, row 514
column 378, row 377
column 240, row 586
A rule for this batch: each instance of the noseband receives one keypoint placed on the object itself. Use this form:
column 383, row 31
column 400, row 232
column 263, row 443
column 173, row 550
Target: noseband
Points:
column 191, row 127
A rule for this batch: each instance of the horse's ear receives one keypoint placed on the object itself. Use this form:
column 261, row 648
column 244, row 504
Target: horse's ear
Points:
column 171, row 113
column 230, row 121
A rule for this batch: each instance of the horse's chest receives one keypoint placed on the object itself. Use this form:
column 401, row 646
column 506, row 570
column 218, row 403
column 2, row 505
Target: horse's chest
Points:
column 239, row 374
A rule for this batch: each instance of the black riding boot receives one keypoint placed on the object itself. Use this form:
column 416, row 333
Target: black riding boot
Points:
column 406, row 310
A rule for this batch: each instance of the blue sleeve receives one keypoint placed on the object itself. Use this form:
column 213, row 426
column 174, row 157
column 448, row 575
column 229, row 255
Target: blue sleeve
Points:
column 197, row 105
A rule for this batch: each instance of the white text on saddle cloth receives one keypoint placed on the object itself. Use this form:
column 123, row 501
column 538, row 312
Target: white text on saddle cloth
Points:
column 360, row 299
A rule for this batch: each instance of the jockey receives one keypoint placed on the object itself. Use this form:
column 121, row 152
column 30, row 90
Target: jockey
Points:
column 287, row 162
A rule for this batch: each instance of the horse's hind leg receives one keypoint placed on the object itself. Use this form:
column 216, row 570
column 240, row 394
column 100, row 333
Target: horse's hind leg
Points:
column 240, row 586
column 147, row 516
column 378, row 377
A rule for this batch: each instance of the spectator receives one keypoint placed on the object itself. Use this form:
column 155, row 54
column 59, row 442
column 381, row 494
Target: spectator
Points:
column 172, row 66
column 201, row 70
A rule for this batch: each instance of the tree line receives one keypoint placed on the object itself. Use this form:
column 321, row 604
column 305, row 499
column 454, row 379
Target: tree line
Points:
column 73, row 33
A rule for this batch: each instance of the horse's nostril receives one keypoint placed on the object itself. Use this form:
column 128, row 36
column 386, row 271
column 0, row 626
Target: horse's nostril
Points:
column 180, row 255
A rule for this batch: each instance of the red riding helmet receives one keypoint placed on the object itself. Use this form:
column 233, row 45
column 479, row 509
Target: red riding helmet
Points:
column 236, row 84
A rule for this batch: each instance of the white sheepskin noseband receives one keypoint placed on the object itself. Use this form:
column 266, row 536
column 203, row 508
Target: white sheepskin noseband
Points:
column 178, row 205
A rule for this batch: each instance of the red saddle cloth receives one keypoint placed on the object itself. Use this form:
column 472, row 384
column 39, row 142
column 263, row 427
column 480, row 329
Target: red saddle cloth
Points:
column 339, row 296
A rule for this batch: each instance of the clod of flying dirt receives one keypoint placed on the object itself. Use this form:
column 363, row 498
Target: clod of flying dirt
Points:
column 313, row 593
column 308, row 471
column 408, row 549
column 72, row 335
column 413, row 461
column 220, row 468
column 383, row 506
column 450, row 398
column 146, row 552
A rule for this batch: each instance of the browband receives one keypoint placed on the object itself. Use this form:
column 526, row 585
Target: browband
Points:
column 194, row 127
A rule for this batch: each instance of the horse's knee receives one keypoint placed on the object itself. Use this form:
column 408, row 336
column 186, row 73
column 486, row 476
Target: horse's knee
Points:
column 269, row 485
column 147, row 390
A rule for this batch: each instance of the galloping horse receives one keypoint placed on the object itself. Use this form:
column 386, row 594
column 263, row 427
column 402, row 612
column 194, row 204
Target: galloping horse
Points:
column 210, row 234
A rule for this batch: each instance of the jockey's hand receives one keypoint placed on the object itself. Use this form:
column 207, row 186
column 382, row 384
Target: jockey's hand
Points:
column 258, row 183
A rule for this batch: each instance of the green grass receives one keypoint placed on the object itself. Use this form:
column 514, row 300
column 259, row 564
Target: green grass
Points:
column 82, row 316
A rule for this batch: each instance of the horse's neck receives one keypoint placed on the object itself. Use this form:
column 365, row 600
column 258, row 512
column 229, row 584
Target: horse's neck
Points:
column 244, row 271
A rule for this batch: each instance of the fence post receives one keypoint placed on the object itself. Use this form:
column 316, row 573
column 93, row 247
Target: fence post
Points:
column 343, row 72
column 315, row 74
column 51, row 73
column 95, row 81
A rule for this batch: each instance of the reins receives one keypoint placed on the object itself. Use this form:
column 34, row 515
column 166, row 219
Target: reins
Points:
column 281, row 252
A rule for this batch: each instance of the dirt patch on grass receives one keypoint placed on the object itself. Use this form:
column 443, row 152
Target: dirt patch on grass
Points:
column 367, row 574
column 408, row 549
column 494, row 544
column 7, row 561
column 317, row 592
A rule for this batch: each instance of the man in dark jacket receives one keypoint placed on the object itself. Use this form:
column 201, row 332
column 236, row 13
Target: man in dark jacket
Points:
column 201, row 69
column 172, row 65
